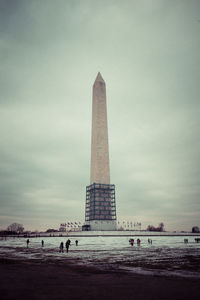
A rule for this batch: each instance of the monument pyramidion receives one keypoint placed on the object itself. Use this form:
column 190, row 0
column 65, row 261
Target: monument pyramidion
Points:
column 100, row 210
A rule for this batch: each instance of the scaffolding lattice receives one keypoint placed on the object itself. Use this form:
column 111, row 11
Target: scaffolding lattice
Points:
column 100, row 202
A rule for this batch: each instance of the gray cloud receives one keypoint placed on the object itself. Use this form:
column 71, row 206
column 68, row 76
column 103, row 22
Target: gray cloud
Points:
column 148, row 54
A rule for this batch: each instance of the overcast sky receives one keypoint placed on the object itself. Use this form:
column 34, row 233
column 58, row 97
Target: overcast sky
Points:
column 148, row 52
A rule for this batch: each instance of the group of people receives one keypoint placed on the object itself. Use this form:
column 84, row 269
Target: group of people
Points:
column 67, row 244
column 27, row 243
column 61, row 248
column 131, row 242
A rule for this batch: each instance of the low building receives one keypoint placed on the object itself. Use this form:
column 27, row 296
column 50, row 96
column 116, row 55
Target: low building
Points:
column 86, row 227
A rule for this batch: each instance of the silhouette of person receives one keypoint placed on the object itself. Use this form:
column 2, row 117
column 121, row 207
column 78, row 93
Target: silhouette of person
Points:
column 67, row 244
column 42, row 243
column 61, row 247
column 138, row 242
column 76, row 242
column 131, row 241
column 27, row 243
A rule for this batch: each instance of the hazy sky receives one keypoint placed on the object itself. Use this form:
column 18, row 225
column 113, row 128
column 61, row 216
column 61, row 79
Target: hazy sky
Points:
column 148, row 52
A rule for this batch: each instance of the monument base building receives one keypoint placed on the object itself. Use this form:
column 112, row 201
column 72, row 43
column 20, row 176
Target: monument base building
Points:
column 102, row 225
column 100, row 209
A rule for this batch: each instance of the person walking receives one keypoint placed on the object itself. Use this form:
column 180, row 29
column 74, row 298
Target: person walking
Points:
column 67, row 244
column 42, row 243
column 61, row 247
column 131, row 241
column 27, row 243
column 76, row 242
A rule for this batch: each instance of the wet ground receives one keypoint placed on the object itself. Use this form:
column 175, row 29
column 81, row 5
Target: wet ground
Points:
column 167, row 255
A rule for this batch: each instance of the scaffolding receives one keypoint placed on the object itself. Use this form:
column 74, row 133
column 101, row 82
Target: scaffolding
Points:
column 100, row 202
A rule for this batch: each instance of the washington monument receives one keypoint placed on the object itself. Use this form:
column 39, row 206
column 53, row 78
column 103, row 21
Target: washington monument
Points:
column 100, row 211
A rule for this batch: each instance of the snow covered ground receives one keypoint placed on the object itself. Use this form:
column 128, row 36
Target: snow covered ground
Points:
column 168, row 255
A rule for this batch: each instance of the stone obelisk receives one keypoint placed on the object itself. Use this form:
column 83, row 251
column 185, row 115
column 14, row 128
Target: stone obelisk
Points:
column 100, row 211
column 100, row 170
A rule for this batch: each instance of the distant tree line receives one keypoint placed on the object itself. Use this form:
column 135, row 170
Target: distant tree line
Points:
column 195, row 229
column 16, row 227
column 159, row 228
column 51, row 230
